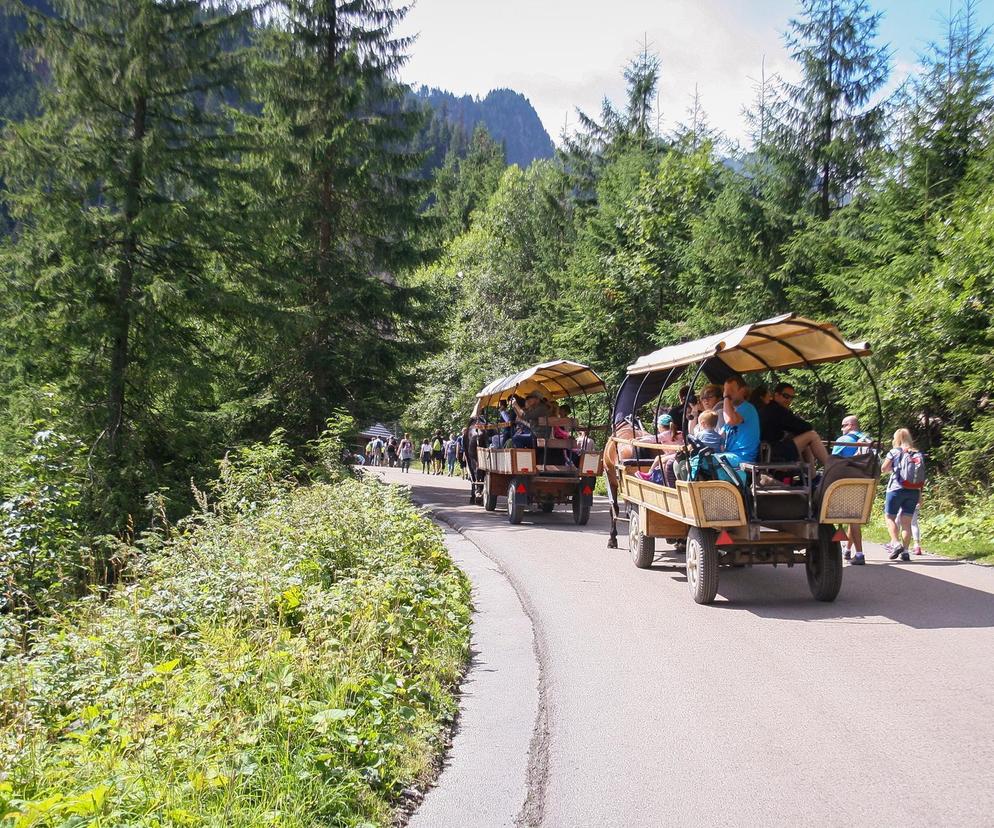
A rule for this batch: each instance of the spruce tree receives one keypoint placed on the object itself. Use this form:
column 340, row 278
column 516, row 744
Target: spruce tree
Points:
column 118, row 244
column 949, row 111
column 825, row 123
column 586, row 152
column 463, row 185
column 344, row 194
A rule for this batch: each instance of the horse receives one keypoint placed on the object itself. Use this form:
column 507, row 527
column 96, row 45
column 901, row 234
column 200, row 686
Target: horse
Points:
column 614, row 456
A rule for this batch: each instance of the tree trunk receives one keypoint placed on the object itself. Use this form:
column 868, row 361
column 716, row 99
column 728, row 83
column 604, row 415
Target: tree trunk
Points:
column 828, row 116
column 327, row 185
column 121, row 319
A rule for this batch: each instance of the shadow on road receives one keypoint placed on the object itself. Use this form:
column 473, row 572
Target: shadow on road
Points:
column 455, row 505
column 903, row 593
column 876, row 591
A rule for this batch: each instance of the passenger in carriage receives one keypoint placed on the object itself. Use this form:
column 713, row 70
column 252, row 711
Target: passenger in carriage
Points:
column 507, row 418
column 707, row 431
column 711, row 400
column 522, row 437
column 789, row 436
column 741, row 427
column 534, row 410
column 677, row 422
column 759, row 397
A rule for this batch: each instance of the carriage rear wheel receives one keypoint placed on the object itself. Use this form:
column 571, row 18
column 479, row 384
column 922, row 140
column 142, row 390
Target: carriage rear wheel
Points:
column 824, row 565
column 642, row 548
column 702, row 564
column 489, row 497
column 581, row 510
column 515, row 511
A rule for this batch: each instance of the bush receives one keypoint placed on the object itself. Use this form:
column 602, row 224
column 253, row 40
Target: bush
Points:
column 286, row 657
column 43, row 561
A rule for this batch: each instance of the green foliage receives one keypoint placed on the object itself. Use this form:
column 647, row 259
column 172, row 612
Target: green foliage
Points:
column 338, row 204
column 285, row 656
column 43, row 561
column 117, row 290
column 464, row 184
column 825, row 123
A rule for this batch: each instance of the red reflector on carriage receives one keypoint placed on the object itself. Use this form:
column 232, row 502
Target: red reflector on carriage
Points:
column 521, row 489
column 724, row 539
column 587, row 490
column 524, row 470
column 839, row 536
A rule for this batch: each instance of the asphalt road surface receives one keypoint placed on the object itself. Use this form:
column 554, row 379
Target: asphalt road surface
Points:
column 764, row 708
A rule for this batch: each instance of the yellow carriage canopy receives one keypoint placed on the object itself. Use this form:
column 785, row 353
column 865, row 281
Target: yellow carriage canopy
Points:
column 554, row 380
column 786, row 341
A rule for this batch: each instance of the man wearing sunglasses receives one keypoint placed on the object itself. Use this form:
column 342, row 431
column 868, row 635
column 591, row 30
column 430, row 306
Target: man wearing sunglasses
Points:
column 789, row 436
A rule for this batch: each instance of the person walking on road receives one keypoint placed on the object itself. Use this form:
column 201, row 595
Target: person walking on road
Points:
column 437, row 453
column 425, row 456
column 849, row 444
column 406, row 450
column 451, row 451
column 906, row 465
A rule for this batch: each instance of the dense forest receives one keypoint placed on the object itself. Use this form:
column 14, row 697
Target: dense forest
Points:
column 221, row 226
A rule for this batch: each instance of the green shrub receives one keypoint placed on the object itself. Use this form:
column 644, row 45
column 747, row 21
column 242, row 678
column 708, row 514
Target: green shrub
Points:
column 286, row 657
column 43, row 560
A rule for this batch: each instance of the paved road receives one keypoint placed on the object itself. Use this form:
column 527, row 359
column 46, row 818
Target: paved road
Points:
column 764, row 708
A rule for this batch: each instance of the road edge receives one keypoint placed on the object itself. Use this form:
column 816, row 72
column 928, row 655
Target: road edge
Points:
column 493, row 772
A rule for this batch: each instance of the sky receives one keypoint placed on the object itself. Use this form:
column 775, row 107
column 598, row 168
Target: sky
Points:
column 564, row 54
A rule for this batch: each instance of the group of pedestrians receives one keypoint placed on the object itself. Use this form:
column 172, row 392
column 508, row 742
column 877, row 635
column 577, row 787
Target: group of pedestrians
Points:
column 439, row 453
column 392, row 452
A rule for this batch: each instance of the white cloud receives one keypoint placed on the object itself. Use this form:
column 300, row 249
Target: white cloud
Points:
column 563, row 55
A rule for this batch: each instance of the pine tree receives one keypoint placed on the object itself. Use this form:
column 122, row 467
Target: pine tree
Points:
column 463, row 185
column 950, row 108
column 116, row 257
column 825, row 123
column 595, row 143
column 343, row 192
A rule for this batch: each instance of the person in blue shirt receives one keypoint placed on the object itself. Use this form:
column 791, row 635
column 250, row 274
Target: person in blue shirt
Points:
column 741, row 428
column 851, row 435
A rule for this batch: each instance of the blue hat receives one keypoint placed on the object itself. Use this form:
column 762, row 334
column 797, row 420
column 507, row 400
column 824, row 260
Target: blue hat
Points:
column 664, row 419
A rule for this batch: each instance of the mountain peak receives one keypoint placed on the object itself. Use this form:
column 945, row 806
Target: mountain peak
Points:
column 507, row 115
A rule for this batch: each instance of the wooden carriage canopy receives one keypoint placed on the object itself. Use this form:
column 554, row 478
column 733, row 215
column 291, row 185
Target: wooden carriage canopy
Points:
column 555, row 380
column 781, row 342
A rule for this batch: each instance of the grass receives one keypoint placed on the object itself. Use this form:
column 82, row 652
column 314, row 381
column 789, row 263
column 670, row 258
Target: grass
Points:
column 289, row 659
column 966, row 535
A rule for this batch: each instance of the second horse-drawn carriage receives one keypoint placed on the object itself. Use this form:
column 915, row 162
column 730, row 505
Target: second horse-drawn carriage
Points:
column 552, row 461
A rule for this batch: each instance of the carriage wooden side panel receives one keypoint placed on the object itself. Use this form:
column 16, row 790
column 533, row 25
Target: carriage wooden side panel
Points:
column 507, row 460
column 715, row 504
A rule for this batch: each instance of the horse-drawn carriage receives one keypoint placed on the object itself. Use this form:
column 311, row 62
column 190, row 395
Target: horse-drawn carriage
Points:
column 762, row 511
column 545, row 469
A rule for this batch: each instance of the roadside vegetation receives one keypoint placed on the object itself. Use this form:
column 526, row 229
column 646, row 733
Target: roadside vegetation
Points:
column 285, row 655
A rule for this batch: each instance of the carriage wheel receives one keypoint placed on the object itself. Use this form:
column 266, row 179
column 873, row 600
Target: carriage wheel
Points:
column 824, row 565
column 642, row 548
column 702, row 564
column 581, row 510
column 489, row 497
column 515, row 511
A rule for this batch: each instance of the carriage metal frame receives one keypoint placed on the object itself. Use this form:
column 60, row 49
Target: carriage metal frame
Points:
column 727, row 524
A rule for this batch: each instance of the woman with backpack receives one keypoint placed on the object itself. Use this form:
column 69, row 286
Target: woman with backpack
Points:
column 437, row 453
column 906, row 465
